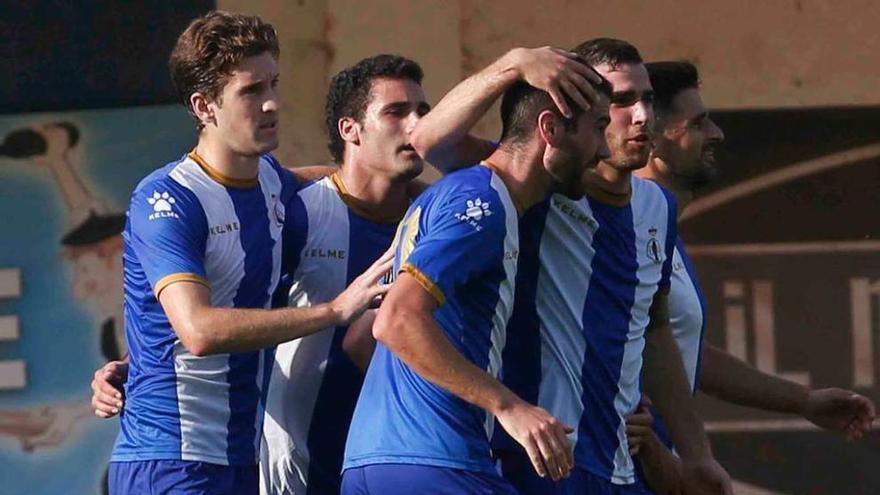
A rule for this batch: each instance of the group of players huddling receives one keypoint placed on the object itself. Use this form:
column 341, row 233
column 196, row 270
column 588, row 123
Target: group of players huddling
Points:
column 540, row 291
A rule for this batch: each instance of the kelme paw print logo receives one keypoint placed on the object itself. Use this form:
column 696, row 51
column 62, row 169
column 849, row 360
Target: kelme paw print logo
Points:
column 477, row 209
column 161, row 202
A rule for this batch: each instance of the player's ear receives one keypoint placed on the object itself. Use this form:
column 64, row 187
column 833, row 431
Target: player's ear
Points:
column 550, row 128
column 201, row 108
column 349, row 130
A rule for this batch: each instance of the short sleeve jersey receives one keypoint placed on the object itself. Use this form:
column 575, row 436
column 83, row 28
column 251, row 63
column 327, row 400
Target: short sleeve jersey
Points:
column 589, row 271
column 186, row 222
column 314, row 385
column 459, row 240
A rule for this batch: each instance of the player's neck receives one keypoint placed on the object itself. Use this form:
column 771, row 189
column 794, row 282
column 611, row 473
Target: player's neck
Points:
column 658, row 171
column 376, row 196
column 223, row 160
column 523, row 175
column 611, row 180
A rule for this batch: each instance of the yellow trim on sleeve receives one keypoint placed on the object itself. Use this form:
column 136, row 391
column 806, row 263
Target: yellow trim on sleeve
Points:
column 178, row 277
column 425, row 282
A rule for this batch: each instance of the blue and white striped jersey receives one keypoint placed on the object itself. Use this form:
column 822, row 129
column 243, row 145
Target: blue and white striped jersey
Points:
column 459, row 240
column 188, row 222
column 588, row 273
column 314, row 385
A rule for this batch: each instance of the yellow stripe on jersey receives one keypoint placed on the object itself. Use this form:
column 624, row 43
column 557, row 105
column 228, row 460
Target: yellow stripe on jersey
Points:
column 178, row 277
column 425, row 282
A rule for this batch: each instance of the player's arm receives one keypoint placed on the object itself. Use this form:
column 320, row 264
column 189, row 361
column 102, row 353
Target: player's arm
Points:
column 730, row 379
column 204, row 329
column 359, row 343
column 441, row 136
column 662, row 468
column 667, row 384
column 406, row 326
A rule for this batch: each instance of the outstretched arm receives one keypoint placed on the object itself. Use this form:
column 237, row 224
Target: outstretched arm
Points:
column 204, row 329
column 730, row 379
column 441, row 136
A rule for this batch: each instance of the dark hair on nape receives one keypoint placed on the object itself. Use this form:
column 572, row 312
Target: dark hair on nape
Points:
column 669, row 78
column 349, row 92
column 522, row 103
column 608, row 51
column 211, row 47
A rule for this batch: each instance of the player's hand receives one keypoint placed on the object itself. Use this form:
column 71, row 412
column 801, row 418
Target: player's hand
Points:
column 705, row 477
column 559, row 73
column 364, row 291
column 840, row 410
column 543, row 437
column 640, row 427
column 107, row 390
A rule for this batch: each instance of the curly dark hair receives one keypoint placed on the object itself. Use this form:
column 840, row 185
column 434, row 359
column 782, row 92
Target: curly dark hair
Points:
column 349, row 92
column 209, row 49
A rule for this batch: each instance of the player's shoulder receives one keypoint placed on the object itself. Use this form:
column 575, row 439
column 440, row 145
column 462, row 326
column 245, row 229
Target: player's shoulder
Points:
column 270, row 165
column 473, row 183
column 648, row 194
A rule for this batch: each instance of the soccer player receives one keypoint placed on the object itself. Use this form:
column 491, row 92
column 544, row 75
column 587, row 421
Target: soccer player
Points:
column 202, row 258
column 423, row 420
column 591, row 295
column 683, row 160
column 351, row 218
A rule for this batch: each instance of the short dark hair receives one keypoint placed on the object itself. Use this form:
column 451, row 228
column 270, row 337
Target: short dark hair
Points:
column 349, row 92
column 211, row 46
column 669, row 78
column 608, row 51
column 522, row 103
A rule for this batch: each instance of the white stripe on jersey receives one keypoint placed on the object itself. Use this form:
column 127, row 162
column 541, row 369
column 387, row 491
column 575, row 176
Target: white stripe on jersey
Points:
column 224, row 256
column 506, row 289
column 269, row 181
column 685, row 316
column 299, row 364
column 559, row 303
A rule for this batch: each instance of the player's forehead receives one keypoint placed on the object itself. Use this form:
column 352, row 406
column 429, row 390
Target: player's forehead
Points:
column 388, row 90
column 627, row 77
column 689, row 103
column 254, row 69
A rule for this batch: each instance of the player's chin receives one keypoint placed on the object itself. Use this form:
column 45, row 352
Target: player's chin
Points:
column 411, row 166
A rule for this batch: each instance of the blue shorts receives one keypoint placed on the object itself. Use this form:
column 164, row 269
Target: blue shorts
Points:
column 181, row 477
column 407, row 479
column 518, row 470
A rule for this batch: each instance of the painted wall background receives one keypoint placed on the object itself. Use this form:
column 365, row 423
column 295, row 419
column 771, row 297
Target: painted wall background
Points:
column 793, row 80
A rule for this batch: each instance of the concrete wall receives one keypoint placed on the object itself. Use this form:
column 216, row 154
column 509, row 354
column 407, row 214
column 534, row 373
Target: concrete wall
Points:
column 753, row 54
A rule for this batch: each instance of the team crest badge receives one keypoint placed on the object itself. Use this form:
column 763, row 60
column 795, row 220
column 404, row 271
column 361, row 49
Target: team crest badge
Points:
column 653, row 247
